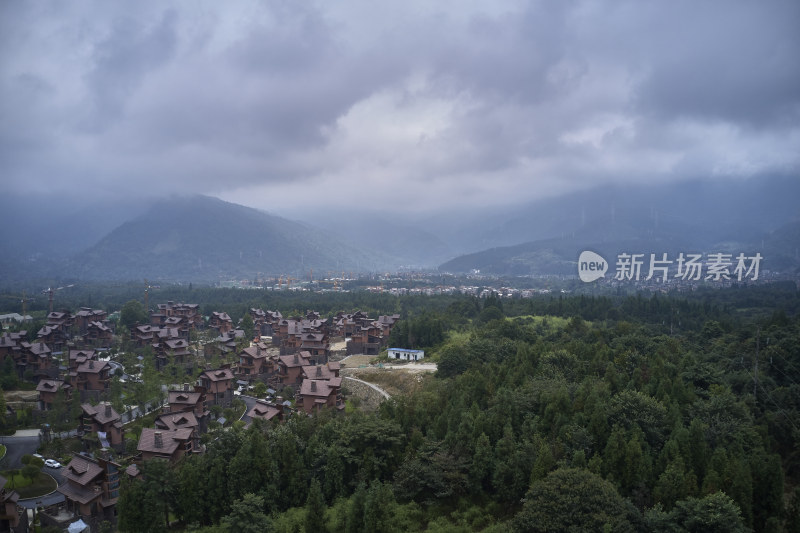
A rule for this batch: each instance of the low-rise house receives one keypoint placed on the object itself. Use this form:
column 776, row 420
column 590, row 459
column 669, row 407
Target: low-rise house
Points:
column 317, row 345
column 87, row 315
column 290, row 368
column 404, row 354
column 386, row 323
column 93, row 377
column 218, row 385
column 98, row 334
column 91, row 490
column 38, row 360
column 254, row 362
column 12, row 516
column 188, row 400
column 103, row 420
column 53, row 336
column 61, row 320
column 329, row 370
column 182, row 420
column 365, row 340
column 224, row 344
column 316, row 394
column 220, row 322
column 48, row 391
column 11, row 345
column 259, row 320
column 263, row 410
column 169, row 445
column 78, row 357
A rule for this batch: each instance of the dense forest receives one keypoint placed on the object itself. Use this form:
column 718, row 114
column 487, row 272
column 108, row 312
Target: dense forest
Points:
column 643, row 413
column 646, row 412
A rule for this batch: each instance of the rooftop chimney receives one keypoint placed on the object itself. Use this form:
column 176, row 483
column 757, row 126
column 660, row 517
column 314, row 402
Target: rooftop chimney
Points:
column 91, row 364
column 157, row 442
column 319, row 370
column 296, row 360
column 108, row 410
column 313, row 386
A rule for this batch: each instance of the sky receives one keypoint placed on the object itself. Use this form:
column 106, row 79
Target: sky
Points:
column 413, row 105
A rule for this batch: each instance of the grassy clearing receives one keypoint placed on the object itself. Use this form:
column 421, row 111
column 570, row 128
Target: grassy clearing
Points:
column 43, row 484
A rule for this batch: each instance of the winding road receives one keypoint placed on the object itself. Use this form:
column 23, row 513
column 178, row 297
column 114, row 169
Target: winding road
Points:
column 24, row 442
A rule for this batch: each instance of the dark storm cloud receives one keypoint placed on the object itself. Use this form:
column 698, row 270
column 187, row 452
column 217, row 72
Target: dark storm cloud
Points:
column 282, row 104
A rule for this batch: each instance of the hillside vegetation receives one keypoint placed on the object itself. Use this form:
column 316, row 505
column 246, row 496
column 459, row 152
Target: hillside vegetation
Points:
column 599, row 419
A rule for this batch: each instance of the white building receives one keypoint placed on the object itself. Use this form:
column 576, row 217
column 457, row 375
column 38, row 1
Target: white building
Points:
column 405, row 354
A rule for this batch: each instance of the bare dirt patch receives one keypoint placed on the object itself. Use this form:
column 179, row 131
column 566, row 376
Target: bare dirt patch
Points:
column 395, row 382
column 355, row 361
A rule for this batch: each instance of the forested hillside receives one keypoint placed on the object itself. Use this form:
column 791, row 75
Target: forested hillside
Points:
column 620, row 414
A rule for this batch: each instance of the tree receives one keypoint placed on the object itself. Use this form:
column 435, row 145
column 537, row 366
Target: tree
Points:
column 354, row 522
column 145, row 503
column 133, row 313
column 247, row 516
column 248, row 326
column 31, row 471
column 315, row 507
column 574, row 499
column 378, row 507
column 715, row 513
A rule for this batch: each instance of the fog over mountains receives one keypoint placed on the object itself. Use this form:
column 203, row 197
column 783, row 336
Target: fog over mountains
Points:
column 199, row 238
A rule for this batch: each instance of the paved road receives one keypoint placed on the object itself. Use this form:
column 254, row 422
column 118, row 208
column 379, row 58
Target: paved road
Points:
column 250, row 402
column 26, row 443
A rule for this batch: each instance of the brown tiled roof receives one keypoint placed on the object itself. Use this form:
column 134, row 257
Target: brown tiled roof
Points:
column 290, row 362
column 79, row 494
column 81, row 471
column 93, row 367
column 170, row 440
column 219, row 374
column 49, row 385
column 39, row 348
column 183, row 397
column 132, row 470
column 179, row 420
column 323, row 389
column 266, row 412
column 98, row 412
column 317, row 372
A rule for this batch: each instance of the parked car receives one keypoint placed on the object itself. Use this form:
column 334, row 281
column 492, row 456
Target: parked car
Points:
column 52, row 463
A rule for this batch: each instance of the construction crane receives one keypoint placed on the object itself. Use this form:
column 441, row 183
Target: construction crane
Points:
column 51, row 290
column 22, row 300
column 147, row 288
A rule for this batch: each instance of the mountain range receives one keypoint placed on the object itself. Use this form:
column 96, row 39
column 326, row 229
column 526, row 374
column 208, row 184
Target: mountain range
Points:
column 204, row 239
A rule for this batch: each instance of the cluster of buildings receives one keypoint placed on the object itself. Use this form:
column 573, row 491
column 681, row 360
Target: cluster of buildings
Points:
column 480, row 292
column 287, row 352
column 88, row 329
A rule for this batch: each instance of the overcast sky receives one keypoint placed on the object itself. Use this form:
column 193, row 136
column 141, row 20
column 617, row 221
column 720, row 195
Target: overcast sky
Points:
column 286, row 105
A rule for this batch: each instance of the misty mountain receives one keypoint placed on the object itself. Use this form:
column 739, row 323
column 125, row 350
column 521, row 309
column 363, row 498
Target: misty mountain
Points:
column 697, row 212
column 689, row 217
column 558, row 256
column 205, row 239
